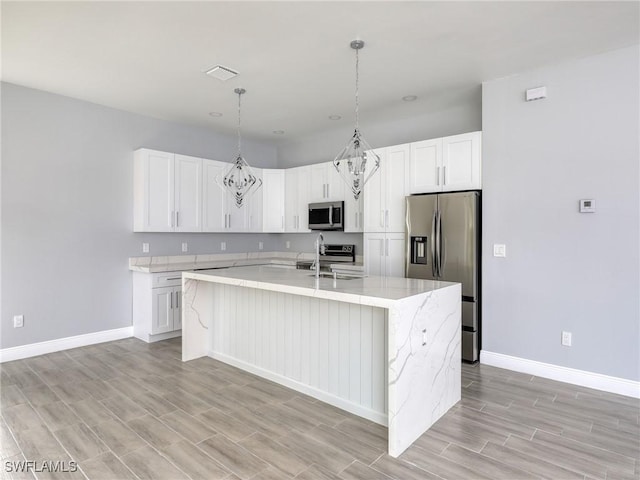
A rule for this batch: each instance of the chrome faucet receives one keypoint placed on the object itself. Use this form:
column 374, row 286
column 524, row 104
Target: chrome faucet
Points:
column 320, row 248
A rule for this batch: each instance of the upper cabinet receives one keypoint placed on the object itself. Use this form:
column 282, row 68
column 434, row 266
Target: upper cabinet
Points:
column 326, row 183
column 446, row 164
column 297, row 182
column 273, row 200
column 167, row 192
column 384, row 193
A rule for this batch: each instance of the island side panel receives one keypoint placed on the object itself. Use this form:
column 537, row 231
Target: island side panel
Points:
column 198, row 300
column 424, row 363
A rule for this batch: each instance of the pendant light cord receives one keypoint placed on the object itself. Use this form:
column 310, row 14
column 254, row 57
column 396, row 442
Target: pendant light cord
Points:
column 239, row 112
column 357, row 82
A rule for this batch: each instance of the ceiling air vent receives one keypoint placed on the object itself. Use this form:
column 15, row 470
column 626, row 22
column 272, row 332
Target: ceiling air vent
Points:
column 221, row 73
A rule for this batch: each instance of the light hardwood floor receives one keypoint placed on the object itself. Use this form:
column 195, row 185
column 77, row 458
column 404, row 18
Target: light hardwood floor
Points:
column 127, row 410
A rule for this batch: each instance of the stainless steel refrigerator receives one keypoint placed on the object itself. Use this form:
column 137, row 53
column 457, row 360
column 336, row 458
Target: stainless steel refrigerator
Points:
column 443, row 243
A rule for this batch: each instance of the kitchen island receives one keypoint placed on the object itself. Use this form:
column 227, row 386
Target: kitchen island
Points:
column 384, row 348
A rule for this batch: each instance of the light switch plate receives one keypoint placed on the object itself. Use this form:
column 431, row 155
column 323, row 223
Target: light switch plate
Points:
column 288, row 244
column 185, row 247
column 145, row 248
column 566, row 339
column 223, row 246
column 260, row 246
column 499, row 250
column 18, row 321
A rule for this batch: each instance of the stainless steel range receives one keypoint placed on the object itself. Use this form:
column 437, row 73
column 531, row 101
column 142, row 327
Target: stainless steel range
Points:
column 332, row 254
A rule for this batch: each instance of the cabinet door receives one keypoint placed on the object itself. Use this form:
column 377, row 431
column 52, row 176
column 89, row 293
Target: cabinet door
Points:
column 291, row 207
column 155, row 179
column 318, row 183
column 188, row 194
column 273, row 201
column 374, row 204
column 177, row 308
column 336, row 186
column 394, row 254
column 237, row 218
column 353, row 210
column 304, row 181
column 461, row 161
column 162, row 310
column 426, row 166
column 213, row 213
column 396, row 174
column 254, row 223
column 374, row 254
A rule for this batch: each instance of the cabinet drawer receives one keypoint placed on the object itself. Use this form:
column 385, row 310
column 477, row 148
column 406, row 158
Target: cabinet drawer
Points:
column 169, row 279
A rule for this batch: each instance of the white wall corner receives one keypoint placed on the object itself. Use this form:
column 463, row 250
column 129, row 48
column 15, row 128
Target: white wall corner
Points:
column 42, row 348
column 597, row 381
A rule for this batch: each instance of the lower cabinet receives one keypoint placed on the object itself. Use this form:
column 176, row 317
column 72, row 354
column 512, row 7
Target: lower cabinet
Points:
column 384, row 254
column 157, row 305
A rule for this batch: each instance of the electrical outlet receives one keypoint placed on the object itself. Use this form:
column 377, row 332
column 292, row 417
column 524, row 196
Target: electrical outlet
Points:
column 288, row 244
column 18, row 321
column 260, row 245
column 145, row 248
column 499, row 250
column 185, row 247
column 223, row 246
column 566, row 339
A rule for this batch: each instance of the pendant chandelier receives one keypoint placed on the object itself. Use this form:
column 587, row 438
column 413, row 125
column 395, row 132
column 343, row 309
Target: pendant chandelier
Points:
column 361, row 161
column 240, row 180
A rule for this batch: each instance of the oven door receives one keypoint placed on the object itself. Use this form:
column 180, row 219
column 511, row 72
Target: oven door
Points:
column 326, row 216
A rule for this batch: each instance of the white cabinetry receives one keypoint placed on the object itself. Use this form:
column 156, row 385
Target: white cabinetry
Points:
column 297, row 199
column 447, row 164
column 273, row 200
column 157, row 305
column 353, row 212
column 326, row 183
column 384, row 254
column 384, row 193
column 167, row 192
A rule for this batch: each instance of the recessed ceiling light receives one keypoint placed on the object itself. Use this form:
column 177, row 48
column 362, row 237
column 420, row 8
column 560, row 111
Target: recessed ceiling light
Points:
column 334, row 117
column 279, row 132
column 409, row 98
column 215, row 114
column 221, row 73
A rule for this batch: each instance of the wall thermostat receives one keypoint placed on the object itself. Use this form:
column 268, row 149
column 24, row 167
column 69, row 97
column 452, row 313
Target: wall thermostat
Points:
column 587, row 205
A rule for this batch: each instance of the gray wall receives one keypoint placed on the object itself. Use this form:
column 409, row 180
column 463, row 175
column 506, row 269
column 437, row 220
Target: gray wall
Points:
column 465, row 116
column 564, row 270
column 67, row 210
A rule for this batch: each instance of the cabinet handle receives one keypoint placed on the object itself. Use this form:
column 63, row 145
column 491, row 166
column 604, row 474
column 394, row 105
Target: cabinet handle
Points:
column 437, row 175
column 387, row 249
column 356, row 219
column 382, row 247
column 171, row 300
column 172, row 218
column 229, row 220
column 177, row 299
column 444, row 175
column 177, row 219
column 382, row 218
column 328, row 190
column 174, row 278
column 386, row 218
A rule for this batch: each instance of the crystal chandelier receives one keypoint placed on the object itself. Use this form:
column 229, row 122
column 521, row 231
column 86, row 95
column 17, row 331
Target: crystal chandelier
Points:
column 357, row 154
column 240, row 180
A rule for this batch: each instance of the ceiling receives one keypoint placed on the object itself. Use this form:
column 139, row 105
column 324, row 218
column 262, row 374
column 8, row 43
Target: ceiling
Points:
column 294, row 58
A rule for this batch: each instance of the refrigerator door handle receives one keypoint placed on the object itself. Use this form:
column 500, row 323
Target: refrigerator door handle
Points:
column 440, row 247
column 433, row 244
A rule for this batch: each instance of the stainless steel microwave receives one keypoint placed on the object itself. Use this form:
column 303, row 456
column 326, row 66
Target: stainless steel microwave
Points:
column 326, row 216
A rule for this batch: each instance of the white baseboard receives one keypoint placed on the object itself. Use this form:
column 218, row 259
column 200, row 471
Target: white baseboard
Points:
column 41, row 348
column 377, row 417
column 597, row 381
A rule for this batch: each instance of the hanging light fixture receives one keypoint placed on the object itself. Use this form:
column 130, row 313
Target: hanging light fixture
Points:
column 361, row 161
column 240, row 179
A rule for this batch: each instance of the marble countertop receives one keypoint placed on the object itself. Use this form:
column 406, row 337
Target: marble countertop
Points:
column 372, row 290
column 180, row 263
